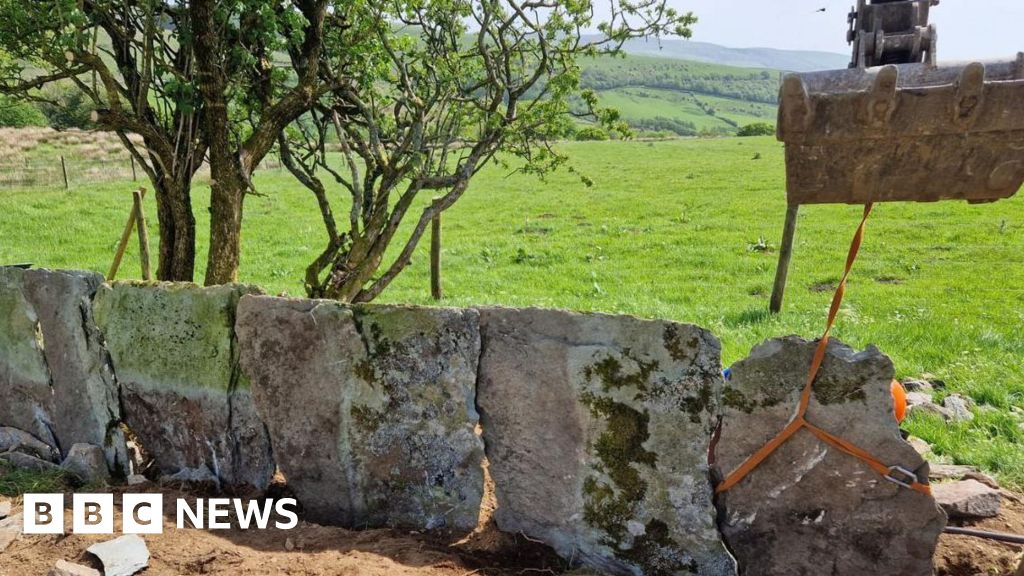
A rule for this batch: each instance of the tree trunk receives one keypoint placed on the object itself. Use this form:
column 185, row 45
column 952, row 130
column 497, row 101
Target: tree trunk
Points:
column 177, row 231
column 226, row 195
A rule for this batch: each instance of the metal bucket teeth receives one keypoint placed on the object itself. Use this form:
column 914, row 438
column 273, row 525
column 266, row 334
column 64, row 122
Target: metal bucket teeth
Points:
column 907, row 132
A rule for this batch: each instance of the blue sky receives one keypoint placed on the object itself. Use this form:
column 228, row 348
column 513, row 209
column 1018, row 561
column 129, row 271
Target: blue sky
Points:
column 968, row 29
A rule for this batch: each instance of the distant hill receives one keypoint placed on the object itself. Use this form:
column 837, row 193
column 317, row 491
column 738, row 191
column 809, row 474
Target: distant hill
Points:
column 682, row 97
column 774, row 59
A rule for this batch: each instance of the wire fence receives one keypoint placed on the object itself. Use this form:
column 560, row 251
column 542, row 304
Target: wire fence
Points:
column 69, row 172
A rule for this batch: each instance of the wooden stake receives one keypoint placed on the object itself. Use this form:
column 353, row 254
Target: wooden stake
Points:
column 140, row 218
column 64, row 169
column 785, row 254
column 435, row 255
column 132, row 158
column 123, row 244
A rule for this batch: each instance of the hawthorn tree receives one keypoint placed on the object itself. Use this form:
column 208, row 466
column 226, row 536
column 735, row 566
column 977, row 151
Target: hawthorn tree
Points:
column 198, row 80
column 432, row 92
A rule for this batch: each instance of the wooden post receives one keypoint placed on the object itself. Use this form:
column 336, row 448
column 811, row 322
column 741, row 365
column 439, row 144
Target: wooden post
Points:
column 64, row 169
column 785, row 254
column 435, row 255
column 140, row 218
column 132, row 158
column 123, row 244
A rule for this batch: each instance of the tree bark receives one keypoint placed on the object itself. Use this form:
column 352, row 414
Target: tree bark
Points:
column 226, row 196
column 177, row 257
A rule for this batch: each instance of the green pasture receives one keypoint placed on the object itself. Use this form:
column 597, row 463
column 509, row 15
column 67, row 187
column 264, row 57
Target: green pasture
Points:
column 685, row 230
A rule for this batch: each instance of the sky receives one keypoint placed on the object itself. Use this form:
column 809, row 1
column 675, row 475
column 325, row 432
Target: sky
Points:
column 967, row 29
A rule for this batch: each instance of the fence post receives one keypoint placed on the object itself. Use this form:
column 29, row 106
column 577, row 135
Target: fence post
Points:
column 64, row 170
column 123, row 243
column 140, row 218
column 132, row 158
column 435, row 254
column 785, row 254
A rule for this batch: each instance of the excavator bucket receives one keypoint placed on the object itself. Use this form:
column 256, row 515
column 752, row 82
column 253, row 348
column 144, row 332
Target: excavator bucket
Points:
column 896, row 127
column 904, row 132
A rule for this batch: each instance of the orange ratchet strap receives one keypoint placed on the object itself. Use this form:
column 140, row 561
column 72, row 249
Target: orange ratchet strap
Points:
column 897, row 474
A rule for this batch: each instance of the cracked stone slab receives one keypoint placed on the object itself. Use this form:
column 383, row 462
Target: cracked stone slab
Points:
column 597, row 431
column 122, row 556
column 371, row 409
column 24, row 376
column 174, row 351
column 808, row 508
column 85, row 397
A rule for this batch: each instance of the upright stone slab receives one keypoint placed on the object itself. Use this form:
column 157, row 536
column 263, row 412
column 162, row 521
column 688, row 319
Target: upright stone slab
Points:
column 26, row 397
column 85, row 398
column 175, row 355
column 597, row 431
column 808, row 508
column 370, row 410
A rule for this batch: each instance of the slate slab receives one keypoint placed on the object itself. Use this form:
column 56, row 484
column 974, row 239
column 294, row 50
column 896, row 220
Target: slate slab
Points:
column 174, row 351
column 371, row 410
column 597, row 431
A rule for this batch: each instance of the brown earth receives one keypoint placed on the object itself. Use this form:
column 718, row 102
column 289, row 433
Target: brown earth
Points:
column 310, row 549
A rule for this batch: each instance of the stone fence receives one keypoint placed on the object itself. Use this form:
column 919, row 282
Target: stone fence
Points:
column 604, row 435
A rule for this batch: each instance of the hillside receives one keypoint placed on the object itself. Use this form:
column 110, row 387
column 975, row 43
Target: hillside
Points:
column 771, row 58
column 681, row 97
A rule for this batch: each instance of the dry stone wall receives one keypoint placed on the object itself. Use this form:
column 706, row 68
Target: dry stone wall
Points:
column 604, row 434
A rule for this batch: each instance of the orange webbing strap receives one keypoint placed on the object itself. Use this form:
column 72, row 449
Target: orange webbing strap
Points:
column 907, row 478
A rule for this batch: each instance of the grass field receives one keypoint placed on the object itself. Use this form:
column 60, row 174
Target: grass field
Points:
column 684, row 230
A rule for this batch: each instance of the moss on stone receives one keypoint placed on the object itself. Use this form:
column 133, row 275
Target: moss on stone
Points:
column 609, row 372
column 699, row 404
column 836, row 391
column 733, row 398
column 677, row 348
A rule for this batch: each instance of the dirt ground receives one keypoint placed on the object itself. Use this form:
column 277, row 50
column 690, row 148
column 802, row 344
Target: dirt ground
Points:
column 310, row 549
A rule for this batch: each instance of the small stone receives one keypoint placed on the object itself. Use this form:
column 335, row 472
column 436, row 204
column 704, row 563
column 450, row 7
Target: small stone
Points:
column 959, row 408
column 65, row 568
column 929, row 408
column 19, row 460
column 5, row 509
column 14, row 440
column 88, row 462
column 917, row 385
column 918, row 398
column 967, row 499
column 289, row 544
column 136, row 480
column 122, row 556
column 920, row 445
column 192, row 477
column 942, row 472
column 10, row 528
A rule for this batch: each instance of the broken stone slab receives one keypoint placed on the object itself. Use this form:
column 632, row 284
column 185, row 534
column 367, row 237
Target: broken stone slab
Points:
column 24, row 377
column 7, row 537
column 371, row 410
column 10, row 529
column 26, row 462
column 809, row 508
column 65, row 568
column 174, row 350
column 85, row 396
column 87, row 462
column 597, row 431
column 967, row 499
column 14, row 440
column 942, row 472
column 122, row 556
column 5, row 509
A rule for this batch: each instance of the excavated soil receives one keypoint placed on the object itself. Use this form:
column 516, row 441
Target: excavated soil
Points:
column 310, row 549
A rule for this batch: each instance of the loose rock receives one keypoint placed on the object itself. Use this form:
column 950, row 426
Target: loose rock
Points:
column 809, row 508
column 65, row 568
column 87, row 462
column 967, row 499
column 958, row 407
column 5, row 509
column 10, row 529
column 597, row 431
column 26, row 462
column 917, row 385
column 14, row 440
column 174, row 350
column 371, row 410
column 123, row 556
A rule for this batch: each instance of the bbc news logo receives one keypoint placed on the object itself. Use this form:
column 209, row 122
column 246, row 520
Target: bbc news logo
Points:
column 144, row 514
